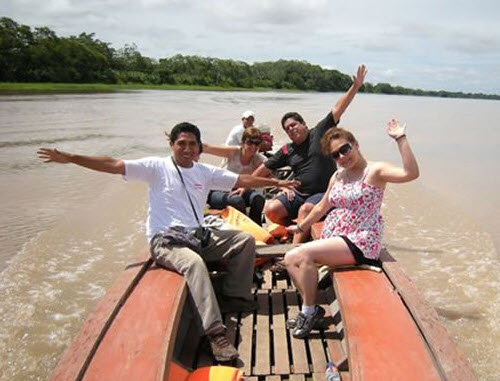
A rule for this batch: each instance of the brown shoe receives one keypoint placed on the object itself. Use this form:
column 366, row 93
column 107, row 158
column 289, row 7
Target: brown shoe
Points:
column 229, row 304
column 222, row 349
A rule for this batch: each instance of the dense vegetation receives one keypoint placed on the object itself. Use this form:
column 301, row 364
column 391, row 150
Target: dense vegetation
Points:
column 40, row 55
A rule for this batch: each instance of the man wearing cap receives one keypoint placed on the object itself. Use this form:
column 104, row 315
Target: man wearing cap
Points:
column 308, row 164
column 234, row 137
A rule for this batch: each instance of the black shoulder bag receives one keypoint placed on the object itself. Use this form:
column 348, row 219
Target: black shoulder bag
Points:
column 200, row 233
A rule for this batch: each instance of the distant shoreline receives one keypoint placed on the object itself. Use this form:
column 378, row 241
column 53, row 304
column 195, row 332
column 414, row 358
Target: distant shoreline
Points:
column 12, row 88
column 21, row 88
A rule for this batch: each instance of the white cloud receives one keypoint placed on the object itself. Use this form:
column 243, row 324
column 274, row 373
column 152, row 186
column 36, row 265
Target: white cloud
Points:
column 430, row 44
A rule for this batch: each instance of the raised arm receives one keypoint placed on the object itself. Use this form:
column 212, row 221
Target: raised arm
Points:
column 222, row 151
column 97, row 163
column 390, row 173
column 346, row 99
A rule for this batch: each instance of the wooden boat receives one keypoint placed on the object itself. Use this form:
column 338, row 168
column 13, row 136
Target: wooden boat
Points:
column 378, row 327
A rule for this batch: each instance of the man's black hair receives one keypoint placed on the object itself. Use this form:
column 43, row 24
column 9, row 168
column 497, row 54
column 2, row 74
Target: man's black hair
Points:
column 294, row 115
column 185, row 127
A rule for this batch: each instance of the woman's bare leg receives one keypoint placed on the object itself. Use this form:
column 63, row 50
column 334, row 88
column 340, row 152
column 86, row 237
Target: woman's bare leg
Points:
column 301, row 263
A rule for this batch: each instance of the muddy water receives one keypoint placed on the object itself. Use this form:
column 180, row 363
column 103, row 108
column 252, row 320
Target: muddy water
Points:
column 67, row 232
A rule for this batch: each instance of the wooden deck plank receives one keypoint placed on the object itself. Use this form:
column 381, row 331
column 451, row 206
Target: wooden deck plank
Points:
column 335, row 351
column 268, row 280
column 281, row 284
column 452, row 362
column 297, row 377
column 281, row 358
column 245, row 343
column 319, row 376
column 273, row 378
column 299, row 355
column 383, row 341
column 73, row 363
column 128, row 350
column 318, row 359
column 263, row 350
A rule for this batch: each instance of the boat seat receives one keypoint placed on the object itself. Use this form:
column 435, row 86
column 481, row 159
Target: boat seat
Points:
column 373, row 316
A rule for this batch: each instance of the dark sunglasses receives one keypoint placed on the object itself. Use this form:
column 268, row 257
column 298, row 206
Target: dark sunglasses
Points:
column 343, row 150
column 253, row 142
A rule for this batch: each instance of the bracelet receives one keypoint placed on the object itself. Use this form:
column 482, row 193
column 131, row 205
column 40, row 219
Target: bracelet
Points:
column 399, row 137
column 299, row 228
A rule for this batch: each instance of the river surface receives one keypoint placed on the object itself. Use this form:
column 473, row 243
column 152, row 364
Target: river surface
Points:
column 67, row 232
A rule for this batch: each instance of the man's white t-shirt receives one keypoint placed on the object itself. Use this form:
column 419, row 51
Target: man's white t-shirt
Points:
column 168, row 202
column 235, row 135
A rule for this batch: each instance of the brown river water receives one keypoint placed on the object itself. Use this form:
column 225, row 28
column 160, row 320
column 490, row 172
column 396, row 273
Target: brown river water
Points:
column 67, row 232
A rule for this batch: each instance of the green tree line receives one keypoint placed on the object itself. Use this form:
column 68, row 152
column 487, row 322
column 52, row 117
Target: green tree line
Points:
column 39, row 55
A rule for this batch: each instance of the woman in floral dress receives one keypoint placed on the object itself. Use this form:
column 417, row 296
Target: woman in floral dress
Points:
column 352, row 231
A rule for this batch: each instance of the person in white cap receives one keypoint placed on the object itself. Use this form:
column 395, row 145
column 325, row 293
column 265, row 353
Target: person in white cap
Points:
column 234, row 137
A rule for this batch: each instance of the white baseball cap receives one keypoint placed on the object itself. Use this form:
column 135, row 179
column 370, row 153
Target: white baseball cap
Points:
column 248, row 114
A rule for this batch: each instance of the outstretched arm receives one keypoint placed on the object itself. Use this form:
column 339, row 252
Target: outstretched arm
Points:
column 262, row 171
column 346, row 99
column 251, row 181
column 222, row 151
column 390, row 173
column 97, row 163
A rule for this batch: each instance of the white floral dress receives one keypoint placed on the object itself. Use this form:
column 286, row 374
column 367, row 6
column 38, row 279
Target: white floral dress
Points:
column 356, row 215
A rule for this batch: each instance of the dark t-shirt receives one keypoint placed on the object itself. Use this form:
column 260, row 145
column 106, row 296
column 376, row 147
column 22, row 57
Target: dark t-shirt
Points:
column 309, row 165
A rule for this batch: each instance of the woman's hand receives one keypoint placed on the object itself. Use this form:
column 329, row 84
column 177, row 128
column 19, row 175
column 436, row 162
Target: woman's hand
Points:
column 395, row 130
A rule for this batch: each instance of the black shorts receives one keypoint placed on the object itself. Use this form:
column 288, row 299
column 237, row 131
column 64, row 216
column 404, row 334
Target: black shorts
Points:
column 358, row 254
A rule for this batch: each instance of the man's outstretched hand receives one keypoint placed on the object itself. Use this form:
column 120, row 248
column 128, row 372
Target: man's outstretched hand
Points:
column 49, row 155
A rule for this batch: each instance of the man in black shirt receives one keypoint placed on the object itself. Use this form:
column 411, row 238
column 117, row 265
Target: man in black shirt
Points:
column 309, row 165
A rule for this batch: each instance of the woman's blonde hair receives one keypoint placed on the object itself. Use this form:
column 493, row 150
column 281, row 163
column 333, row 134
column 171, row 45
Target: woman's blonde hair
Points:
column 334, row 134
column 251, row 133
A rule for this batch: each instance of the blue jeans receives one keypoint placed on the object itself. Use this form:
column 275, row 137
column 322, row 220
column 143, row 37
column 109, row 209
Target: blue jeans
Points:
column 292, row 207
column 251, row 198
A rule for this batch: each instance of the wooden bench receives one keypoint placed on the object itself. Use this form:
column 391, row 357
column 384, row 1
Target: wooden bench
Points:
column 390, row 331
column 383, row 342
column 112, row 343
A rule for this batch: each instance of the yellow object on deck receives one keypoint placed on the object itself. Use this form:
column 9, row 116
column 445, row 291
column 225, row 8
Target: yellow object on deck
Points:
column 242, row 222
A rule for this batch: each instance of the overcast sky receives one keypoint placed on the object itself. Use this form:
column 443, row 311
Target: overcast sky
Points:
column 449, row 45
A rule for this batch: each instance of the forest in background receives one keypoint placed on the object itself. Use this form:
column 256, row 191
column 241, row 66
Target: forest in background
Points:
column 39, row 55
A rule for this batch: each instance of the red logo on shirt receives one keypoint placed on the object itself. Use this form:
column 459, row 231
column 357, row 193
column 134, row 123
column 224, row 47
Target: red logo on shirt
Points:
column 198, row 186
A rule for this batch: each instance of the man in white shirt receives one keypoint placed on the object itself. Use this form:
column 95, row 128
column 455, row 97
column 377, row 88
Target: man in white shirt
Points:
column 234, row 137
column 173, row 204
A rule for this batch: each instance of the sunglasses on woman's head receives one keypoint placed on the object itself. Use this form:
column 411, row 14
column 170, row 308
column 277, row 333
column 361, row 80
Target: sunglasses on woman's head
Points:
column 254, row 142
column 343, row 150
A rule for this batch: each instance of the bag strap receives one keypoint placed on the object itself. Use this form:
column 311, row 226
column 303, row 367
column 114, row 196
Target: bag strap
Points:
column 185, row 189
